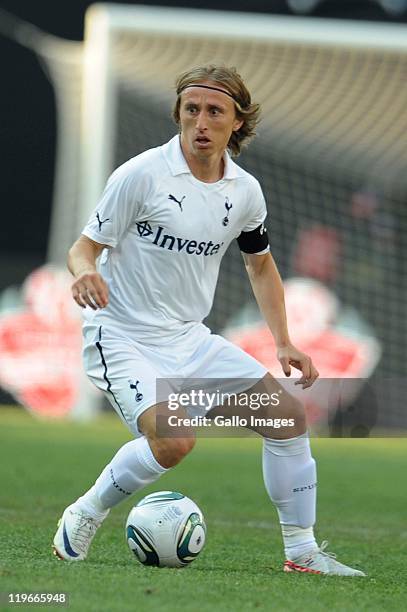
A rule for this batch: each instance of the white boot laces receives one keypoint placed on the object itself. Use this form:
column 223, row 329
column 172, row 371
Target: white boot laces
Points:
column 322, row 548
column 85, row 529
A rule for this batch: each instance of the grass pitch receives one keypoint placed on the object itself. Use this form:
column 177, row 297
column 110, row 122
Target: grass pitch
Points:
column 361, row 511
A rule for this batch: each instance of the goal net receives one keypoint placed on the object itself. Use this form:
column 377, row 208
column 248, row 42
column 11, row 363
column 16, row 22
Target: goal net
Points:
column 330, row 153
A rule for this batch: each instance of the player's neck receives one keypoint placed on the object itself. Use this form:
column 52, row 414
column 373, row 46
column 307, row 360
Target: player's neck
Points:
column 207, row 169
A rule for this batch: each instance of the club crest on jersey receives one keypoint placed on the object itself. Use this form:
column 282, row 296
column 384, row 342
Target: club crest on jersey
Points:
column 100, row 221
column 174, row 199
column 228, row 206
column 133, row 385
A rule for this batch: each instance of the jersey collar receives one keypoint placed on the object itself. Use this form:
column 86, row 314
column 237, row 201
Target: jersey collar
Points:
column 177, row 163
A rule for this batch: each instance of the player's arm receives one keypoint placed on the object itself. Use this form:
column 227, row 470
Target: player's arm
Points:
column 89, row 287
column 269, row 293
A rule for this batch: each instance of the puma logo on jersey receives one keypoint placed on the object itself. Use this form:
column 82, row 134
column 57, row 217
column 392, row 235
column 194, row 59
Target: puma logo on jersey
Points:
column 174, row 199
column 100, row 221
column 228, row 206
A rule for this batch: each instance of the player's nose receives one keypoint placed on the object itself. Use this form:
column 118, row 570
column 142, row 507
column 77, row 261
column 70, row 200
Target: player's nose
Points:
column 201, row 121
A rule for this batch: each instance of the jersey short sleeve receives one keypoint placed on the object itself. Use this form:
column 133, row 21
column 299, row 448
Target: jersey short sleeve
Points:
column 119, row 205
column 253, row 238
column 257, row 207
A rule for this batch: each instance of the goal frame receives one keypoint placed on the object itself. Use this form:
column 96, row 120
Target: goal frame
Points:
column 104, row 21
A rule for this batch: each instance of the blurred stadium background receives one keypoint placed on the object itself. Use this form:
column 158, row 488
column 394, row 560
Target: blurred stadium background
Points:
column 330, row 154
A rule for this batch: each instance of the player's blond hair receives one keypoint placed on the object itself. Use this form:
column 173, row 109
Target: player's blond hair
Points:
column 229, row 79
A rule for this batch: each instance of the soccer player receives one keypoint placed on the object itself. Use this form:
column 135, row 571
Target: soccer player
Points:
column 164, row 221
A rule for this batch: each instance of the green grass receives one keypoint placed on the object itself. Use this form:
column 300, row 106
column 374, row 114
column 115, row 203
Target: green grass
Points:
column 361, row 510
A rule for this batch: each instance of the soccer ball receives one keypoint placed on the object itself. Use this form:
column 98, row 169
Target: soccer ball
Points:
column 166, row 529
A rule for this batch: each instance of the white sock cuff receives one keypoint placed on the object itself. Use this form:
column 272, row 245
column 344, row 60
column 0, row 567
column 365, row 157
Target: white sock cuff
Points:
column 293, row 531
column 288, row 447
column 146, row 457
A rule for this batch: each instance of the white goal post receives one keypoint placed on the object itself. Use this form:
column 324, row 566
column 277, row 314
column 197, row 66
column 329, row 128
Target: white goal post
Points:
column 105, row 23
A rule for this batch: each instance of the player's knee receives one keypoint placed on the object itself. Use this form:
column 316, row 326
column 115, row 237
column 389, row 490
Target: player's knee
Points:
column 184, row 446
column 170, row 451
column 291, row 411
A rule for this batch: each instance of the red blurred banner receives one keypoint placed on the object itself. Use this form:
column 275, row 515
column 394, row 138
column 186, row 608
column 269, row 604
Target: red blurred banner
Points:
column 40, row 346
column 339, row 353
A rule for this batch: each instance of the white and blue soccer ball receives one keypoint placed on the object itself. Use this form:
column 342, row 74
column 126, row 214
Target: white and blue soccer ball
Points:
column 166, row 529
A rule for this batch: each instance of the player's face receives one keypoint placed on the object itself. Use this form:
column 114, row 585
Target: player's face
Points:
column 207, row 120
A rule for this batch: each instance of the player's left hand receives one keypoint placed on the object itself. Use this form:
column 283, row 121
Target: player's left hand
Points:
column 290, row 356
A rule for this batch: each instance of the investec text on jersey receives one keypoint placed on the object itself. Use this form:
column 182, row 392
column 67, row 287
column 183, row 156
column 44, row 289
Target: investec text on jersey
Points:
column 192, row 247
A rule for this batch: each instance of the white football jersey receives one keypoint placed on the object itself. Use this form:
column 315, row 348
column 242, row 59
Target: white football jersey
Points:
column 168, row 232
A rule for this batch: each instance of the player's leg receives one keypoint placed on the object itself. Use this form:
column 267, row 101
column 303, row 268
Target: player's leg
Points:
column 168, row 451
column 111, row 364
column 289, row 469
column 290, row 478
column 137, row 463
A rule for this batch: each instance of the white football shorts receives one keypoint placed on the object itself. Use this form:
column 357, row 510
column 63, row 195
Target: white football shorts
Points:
column 126, row 371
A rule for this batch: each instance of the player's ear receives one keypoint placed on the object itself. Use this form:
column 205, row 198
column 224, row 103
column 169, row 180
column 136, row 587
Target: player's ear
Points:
column 237, row 124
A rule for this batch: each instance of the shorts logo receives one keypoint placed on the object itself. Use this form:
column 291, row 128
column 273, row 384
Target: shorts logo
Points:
column 139, row 396
column 228, row 206
column 174, row 199
column 144, row 229
column 262, row 229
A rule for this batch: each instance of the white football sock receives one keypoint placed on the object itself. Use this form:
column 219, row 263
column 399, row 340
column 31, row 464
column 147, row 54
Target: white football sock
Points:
column 289, row 473
column 297, row 541
column 132, row 468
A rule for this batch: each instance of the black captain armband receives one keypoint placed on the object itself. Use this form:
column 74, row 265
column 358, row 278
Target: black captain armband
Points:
column 255, row 241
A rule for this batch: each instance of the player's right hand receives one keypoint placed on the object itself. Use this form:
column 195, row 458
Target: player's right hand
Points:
column 90, row 289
